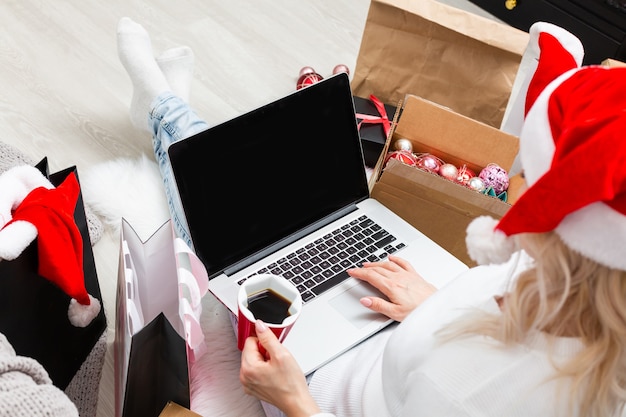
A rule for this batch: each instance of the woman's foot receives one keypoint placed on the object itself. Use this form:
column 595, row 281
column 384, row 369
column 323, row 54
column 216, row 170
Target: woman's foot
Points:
column 135, row 52
column 177, row 66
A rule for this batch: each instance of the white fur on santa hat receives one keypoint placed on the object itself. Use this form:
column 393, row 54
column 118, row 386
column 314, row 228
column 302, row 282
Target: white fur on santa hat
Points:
column 487, row 245
column 81, row 315
column 15, row 184
column 16, row 237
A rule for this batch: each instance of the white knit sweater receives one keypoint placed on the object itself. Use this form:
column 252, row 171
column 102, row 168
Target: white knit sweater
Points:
column 26, row 389
column 404, row 372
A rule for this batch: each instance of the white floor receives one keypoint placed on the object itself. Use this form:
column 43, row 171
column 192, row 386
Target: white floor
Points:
column 64, row 93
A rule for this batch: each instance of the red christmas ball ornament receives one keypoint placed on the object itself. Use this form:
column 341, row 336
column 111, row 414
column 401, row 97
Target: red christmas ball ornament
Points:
column 341, row 68
column 464, row 175
column 496, row 177
column 448, row 171
column 429, row 162
column 405, row 157
column 307, row 78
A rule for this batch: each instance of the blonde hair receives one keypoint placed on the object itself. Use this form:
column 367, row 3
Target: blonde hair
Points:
column 567, row 294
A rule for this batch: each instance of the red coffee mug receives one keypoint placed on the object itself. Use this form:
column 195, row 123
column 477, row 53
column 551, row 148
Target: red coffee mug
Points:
column 270, row 298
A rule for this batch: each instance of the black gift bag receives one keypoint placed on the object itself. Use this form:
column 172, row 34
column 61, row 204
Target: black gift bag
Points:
column 34, row 311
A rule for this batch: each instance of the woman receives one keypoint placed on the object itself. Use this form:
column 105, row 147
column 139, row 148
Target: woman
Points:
column 541, row 334
column 548, row 341
column 26, row 388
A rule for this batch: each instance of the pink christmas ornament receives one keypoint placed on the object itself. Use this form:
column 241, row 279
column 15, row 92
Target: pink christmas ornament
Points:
column 496, row 177
column 305, row 71
column 429, row 162
column 341, row 68
column 448, row 171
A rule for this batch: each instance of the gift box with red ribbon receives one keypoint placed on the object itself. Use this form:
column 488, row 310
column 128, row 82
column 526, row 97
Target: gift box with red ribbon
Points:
column 374, row 120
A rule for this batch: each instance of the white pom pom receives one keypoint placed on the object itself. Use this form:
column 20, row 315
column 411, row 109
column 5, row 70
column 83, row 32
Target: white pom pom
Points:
column 81, row 315
column 485, row 244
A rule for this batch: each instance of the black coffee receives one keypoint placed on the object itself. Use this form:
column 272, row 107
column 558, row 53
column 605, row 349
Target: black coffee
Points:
column 269, row 306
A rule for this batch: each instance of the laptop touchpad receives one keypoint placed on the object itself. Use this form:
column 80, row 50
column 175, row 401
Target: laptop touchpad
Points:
column 347, row 303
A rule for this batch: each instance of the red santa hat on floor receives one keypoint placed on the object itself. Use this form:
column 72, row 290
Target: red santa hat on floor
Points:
column 31, row 207
column 573, row 153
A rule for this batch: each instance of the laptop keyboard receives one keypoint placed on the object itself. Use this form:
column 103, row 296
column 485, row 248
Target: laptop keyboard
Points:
column 320, row 265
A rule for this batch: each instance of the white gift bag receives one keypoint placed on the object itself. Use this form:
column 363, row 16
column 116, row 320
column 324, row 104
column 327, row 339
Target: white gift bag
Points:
column 158, row 336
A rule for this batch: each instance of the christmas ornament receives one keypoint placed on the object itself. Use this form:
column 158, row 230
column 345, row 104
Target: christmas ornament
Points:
column 307, row 76
column 495, row 176
column 341, row 68
column 403, row 145
column 464, row 175
column 491, row 193
column 305, row 71
column 405, row 157
column 429, row 162
column 476, row 184
column 448, row 171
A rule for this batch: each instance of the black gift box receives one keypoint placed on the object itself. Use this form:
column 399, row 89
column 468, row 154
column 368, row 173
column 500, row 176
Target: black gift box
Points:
column 373, row 135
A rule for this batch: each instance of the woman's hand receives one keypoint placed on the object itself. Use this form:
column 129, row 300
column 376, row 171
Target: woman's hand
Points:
column 398, row 280
column 276, row 377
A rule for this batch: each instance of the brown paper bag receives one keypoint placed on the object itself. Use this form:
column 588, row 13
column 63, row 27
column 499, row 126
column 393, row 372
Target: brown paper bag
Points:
column 422, row 47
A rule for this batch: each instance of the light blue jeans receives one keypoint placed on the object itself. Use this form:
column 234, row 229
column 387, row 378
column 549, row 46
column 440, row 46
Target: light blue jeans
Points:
column 171, row 120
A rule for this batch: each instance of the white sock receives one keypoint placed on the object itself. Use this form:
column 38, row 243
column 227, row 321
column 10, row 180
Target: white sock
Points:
column 177, row 66
column 135, row 52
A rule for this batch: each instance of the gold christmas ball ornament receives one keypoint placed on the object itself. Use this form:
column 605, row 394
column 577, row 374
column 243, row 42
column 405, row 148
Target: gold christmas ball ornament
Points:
column 403, row 145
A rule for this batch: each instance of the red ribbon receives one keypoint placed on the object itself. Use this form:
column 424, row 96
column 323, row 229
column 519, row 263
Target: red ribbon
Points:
column 382, row 119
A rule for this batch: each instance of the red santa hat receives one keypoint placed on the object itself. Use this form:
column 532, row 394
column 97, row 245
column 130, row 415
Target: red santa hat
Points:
column 31, row 207
column 572, row 151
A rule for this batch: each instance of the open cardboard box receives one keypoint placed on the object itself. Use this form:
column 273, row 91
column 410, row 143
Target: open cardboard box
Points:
column 439, row 208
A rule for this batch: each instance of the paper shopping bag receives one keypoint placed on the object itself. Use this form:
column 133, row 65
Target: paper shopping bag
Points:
column 157, row 335
column 34, row 311
column 446, row 55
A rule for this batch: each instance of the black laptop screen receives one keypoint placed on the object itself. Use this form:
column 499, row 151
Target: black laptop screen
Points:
column 260, row 178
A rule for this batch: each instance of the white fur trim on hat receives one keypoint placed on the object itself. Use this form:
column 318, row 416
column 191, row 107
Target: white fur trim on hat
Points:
column 81, row 315
column 486, row 245
column 596, row 231
column 16, row 237
column 15, row 184
column 537, row 155
column 514, row 114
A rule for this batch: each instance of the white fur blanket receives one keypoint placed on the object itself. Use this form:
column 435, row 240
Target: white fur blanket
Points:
column 132, row 189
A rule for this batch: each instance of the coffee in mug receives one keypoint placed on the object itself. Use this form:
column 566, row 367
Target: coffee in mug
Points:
column 271, row 299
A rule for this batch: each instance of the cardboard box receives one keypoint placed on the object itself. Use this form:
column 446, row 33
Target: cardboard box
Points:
column 373, row 136
column 440, row 208
column 172, row 409
column 613, row 63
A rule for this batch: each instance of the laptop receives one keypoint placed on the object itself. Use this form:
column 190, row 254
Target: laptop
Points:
column 283, row 189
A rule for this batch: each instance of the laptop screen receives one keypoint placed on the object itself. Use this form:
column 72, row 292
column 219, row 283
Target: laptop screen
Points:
column 260, row 178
